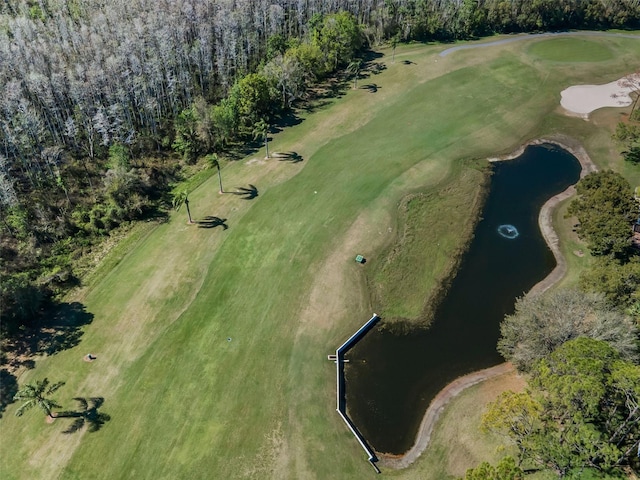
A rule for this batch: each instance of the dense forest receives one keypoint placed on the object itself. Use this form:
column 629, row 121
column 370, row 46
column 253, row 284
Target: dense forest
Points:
column 103, row 103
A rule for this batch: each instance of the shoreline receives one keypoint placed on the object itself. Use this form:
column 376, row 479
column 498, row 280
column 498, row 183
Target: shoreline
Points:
column 545, row 221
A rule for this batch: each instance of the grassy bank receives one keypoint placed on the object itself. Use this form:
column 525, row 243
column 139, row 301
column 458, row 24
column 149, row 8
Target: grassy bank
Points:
column 458, row 444
column 433, row 231
column 211, row 344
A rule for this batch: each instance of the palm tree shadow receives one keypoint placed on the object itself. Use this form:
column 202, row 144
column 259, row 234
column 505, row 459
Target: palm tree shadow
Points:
column 212, row 222
column 247, row 193
column 376, row 67
column 293, row 157
column 87, row 414
column 370, row 87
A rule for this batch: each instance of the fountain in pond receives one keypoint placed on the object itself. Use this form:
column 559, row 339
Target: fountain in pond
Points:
column 508, row 231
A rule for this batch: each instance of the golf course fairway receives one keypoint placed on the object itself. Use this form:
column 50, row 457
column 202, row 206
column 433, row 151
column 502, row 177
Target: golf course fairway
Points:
column 211, row 344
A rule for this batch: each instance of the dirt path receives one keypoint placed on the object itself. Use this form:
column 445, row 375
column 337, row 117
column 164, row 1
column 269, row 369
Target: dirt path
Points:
column 545, row 220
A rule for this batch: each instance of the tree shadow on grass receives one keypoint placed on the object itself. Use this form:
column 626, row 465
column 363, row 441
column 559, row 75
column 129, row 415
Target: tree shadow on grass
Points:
column 336, row 86
column 8, row 388
column 285, row 119
column 320, row 95
column 370, row 55
column 211, row 222
column 248, row 145
column 375, row 68
column 247, row 193
column 293, row 157
column 86, row 414
column 63, row 328
column 316, row 105
column 59, row 328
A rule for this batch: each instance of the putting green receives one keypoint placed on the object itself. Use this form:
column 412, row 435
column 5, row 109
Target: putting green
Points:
column 281, row 283
column 571, row 49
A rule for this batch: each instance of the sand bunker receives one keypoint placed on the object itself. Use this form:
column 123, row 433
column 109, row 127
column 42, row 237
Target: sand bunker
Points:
column 584, row 99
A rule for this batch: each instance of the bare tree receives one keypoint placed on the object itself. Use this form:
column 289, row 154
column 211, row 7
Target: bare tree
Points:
column 541, row 323
column 632, row 82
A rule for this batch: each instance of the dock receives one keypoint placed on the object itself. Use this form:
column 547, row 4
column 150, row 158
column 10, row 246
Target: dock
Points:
column 340, row 397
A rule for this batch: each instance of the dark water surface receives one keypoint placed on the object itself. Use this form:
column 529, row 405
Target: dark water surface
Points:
column 392, row 378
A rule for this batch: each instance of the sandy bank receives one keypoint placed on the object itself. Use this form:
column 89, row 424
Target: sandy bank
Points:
column 581, row 100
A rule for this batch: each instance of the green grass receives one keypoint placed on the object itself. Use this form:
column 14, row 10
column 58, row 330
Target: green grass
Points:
column 112, row 251
column 571, row 50
column 281, row 281
column 196, row 176
column 575, row 251
column 432, row 234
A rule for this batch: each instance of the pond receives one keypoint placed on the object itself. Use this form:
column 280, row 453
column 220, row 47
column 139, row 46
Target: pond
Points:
column 392, row 377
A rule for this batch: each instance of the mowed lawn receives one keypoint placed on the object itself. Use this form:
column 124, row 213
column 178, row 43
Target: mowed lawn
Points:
column 212, row 343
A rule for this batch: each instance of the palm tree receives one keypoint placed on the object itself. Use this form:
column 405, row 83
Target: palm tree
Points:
column 261, row 128
column 394, row 43
column 214, row 162
column 36, row 394
column 354, row 67
column 182, row 197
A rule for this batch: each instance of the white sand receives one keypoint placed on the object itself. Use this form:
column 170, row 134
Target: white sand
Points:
column 584, row 99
